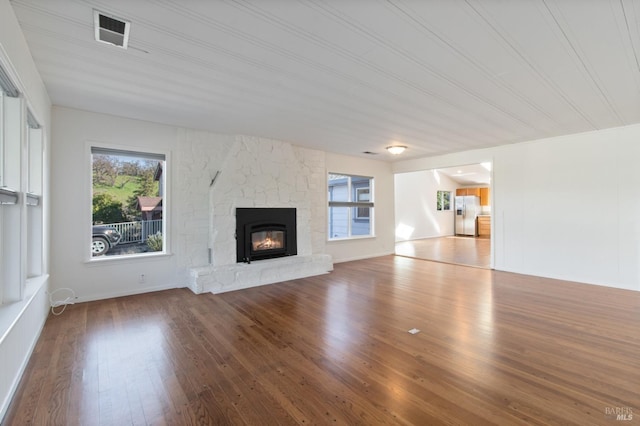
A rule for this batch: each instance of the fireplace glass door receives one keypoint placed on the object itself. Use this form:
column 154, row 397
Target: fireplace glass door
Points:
column 267, row 240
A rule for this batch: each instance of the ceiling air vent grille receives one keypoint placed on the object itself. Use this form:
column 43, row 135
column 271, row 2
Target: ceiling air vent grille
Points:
column 111, row 30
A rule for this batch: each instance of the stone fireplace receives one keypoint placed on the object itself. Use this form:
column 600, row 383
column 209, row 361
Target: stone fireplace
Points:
column 244, row 174
column 225, row 176
column 265, row 233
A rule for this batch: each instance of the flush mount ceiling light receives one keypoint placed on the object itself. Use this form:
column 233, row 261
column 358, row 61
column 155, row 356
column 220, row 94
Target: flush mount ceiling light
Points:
column 396, row 149
column 111, row 30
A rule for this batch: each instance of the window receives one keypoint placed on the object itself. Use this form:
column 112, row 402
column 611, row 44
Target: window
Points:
column 362, row 195
column 350, row 206
column 21, row 244
column 12, row 278
column 444, row 200
column 34, row 196
column 2, row 154
column 128, row 200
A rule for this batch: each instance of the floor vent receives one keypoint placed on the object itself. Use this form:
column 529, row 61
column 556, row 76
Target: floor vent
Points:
column 111, row 30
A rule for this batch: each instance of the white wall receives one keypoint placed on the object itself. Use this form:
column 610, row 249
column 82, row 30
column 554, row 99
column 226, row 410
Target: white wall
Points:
column 254, row 172
column 73, row 133
column 194, row 158
column 21, row 322
column 564, row 207
column 383, row 243
column 416, row 205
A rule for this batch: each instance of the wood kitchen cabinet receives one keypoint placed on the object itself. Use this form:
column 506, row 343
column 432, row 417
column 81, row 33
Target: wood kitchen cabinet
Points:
column 468, row 191
column 484, row 226
column 484, row 193
column 485, row 196
column 473, row 191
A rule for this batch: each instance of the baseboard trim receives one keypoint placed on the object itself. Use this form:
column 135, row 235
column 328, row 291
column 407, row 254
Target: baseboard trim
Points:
column 102, row 296
column 368, row 256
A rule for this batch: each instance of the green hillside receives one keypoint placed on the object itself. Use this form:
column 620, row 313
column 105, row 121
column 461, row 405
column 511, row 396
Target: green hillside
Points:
column 123, row 189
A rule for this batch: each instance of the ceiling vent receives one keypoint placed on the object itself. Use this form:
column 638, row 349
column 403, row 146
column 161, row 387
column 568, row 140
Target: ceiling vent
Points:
column 111, row 30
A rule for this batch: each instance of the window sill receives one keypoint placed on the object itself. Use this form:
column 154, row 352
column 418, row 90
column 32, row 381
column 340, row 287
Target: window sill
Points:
column 10, row 313
column 358, row 237
column 127, row 257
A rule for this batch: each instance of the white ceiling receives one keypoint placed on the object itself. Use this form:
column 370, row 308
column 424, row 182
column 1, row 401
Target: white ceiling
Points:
column 471, row 174
column 349, row 76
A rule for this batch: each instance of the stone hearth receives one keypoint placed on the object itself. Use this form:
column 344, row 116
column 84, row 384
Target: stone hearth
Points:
column 218, row 279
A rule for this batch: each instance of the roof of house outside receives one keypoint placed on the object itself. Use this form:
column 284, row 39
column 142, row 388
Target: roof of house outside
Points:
column 147, row 204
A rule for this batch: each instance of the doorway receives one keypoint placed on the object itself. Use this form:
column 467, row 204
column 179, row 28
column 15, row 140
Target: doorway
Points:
column 425, row 210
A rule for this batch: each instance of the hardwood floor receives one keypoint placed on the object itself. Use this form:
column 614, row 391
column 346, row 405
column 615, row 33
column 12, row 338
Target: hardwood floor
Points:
column 493, row 348
column 466, row 251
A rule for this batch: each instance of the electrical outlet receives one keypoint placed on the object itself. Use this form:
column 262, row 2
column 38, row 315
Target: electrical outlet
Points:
column 141, row 279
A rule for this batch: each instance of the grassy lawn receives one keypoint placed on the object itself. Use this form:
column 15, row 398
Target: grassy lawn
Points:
column 122, row 190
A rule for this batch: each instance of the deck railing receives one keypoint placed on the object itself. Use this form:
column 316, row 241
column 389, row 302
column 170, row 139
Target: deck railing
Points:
column 136, row 232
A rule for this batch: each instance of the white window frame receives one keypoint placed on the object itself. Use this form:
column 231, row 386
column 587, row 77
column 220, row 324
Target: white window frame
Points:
column 440, row 196
column 360, row 198
column 21, row 218
column 166, row 197
column 34, row 183
column 13, row 234
column 352, row 207
column 2, row 152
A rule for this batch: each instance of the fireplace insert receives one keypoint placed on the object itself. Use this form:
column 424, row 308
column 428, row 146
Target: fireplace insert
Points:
column 265, row 233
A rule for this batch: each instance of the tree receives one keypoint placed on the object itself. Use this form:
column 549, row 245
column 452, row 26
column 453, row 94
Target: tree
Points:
column 105, row 170
column 130, row 168
column 147, row 184
column 106, row 209
column 147, row 187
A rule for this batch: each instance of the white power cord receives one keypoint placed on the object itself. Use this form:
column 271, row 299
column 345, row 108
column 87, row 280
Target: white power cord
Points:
column 68, row 301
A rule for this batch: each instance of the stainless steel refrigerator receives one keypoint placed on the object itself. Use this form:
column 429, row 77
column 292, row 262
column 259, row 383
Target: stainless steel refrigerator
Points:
column 467, row 209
